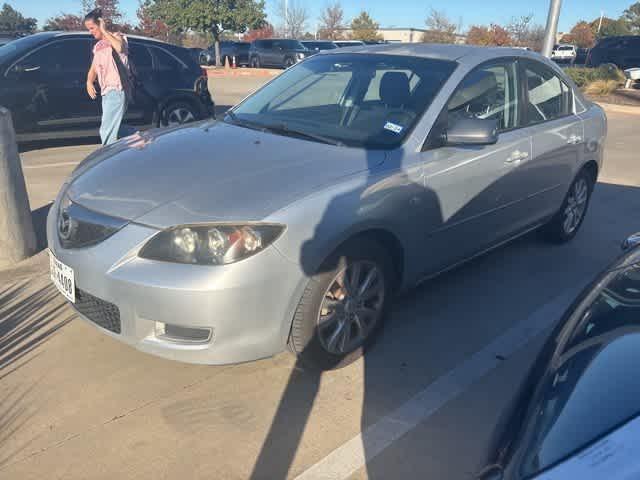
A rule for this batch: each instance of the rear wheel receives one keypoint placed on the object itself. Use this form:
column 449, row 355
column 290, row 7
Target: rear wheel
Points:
column 255, row 62
column 566, row 223
column 178, row 113
column 343, row 306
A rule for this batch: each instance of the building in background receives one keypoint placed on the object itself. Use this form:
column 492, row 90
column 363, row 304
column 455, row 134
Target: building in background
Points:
column 402, row 34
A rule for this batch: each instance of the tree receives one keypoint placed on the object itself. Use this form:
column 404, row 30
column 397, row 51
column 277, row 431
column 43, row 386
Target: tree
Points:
column 148, row 25
column 267, row 31
column 364, row 28
column 64, row 21
column 12, row 20
column 294, row 19
column 492, row 35
column 440, row 28
column 609, row 28
column 632, row 17
column 110, row 11
column 209, row 16
column 331, row 22
column 581, row 35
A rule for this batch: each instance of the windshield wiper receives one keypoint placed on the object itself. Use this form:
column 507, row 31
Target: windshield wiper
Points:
column 284, row 129
column 281, row 128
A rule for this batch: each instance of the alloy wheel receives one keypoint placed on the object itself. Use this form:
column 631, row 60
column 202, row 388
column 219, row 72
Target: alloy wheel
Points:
column 179, row 115
column 576, row 205
column 351, row 307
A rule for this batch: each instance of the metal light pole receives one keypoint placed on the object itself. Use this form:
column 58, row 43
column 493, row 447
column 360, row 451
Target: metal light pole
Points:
column 552, row 28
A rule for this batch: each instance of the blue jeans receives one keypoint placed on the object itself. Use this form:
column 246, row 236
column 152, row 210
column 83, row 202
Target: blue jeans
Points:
column 114, row 104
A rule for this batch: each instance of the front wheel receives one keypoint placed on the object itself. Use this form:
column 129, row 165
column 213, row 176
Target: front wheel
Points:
column 178, row 113
column 343, row 306
column 288, row 62
column 567, row 221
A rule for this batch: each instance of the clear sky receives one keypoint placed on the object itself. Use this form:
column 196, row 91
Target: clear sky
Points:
column 404, row 13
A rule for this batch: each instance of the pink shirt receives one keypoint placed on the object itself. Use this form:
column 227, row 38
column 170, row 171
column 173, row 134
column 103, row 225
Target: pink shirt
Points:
column 105, row 66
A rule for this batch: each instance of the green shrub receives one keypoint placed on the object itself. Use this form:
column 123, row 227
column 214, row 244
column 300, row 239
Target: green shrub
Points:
column 583, row 76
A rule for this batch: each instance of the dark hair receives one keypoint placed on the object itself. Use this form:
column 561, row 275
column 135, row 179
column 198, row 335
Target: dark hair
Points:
column 93, row 15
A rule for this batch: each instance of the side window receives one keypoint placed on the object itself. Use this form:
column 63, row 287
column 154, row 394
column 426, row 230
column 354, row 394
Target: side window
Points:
column 267, row 44
column 165, row 62
column 490, row 91
column 547, row 96
column 65, row 56
column 140, row 57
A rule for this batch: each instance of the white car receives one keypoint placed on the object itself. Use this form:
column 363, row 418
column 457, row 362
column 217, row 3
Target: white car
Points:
column 565, row 53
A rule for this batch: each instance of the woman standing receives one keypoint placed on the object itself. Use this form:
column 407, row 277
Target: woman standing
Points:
column 104, row 69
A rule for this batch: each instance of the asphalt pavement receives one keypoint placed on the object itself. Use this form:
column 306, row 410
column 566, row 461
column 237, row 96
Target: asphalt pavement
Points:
column 76, row 404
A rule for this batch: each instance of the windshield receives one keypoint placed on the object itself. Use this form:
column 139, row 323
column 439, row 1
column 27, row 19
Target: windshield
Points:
column 290, row 44
column 362, row 100
column 593, row 388
column 320, row 45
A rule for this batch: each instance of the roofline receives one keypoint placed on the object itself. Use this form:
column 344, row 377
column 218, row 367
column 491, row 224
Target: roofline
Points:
column 128, row 35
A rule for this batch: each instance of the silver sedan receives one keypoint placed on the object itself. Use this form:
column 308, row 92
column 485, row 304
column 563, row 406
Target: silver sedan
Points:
column 295, row 219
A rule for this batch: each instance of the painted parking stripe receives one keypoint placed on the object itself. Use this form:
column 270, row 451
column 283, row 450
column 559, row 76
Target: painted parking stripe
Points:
column 355, row 453
column 48, row 165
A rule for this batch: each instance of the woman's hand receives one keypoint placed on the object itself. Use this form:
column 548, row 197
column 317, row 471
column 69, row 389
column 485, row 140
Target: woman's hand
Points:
column 102, row 25
column 91, row 90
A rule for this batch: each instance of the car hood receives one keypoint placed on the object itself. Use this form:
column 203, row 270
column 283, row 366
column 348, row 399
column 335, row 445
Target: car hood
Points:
column 212, row 171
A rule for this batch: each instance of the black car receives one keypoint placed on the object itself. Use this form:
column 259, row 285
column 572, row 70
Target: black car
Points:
column 276, row 53
column 623, row 52
column 577, row 415
column 315, row 46
column 228, row 50
column 43, row 83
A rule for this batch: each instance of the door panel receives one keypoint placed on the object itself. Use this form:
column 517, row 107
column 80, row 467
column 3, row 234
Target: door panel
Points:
column 476, row 191
column 141, row 110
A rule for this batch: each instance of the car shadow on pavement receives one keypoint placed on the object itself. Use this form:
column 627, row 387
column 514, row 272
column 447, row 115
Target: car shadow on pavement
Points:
column 509, row 283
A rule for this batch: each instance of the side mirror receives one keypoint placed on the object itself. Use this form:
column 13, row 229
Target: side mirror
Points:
column 472, row 131
column 631, row 242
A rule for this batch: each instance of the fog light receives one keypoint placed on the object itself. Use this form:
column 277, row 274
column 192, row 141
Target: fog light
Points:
column 181, row 334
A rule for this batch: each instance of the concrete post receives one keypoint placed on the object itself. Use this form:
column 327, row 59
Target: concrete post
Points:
column 552, row 28
column 17, row 237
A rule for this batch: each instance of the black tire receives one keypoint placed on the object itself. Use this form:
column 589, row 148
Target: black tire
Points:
column 560, row 228
column 306, row 340
column 289, row 62
column 178, row 112
column 255, row 62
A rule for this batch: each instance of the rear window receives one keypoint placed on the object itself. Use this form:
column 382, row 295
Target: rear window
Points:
column 165, row 62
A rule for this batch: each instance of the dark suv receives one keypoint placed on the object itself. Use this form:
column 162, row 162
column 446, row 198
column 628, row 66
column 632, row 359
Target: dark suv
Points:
column 276, row 53
column 623, row 52
column 228, row 50
column 43, row 83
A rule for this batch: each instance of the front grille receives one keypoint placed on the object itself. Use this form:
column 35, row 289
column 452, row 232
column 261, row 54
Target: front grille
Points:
column 100, row 312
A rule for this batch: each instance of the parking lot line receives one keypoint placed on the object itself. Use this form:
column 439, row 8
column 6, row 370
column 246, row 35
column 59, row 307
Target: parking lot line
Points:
column 48, row 165
column 361, row 449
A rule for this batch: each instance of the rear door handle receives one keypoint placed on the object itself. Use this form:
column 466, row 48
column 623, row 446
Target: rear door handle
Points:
column 516, row 157
column 574, row 139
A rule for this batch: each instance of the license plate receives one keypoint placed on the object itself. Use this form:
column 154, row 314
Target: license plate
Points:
column 63, row 278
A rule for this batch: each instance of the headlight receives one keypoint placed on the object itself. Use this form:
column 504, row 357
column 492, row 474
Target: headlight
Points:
column 210, row 244
column 300, row 55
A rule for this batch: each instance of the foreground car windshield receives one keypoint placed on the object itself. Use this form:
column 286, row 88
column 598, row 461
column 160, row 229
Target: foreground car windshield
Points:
column 360, row 100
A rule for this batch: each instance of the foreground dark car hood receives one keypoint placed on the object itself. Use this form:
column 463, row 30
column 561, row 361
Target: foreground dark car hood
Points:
column 210, row 171
column 583, row 384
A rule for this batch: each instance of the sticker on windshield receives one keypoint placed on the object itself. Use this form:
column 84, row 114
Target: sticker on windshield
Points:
column 393, row 127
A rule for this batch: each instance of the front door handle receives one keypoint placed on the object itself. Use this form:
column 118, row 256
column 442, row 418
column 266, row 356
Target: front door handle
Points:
column 516, row 157
column 574, row 139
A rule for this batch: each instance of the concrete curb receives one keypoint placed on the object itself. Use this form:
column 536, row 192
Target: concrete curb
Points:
column 242, row 72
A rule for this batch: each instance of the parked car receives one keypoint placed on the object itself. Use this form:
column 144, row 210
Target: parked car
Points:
column 228, row 50
column 6, row 37
column 276, row 53
column 623, row 52
column 348, row 43
column 345, row 180
column 564, row 53
column 315, row 46
column 576, row 414
column 43, row 83
column 581, row 56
